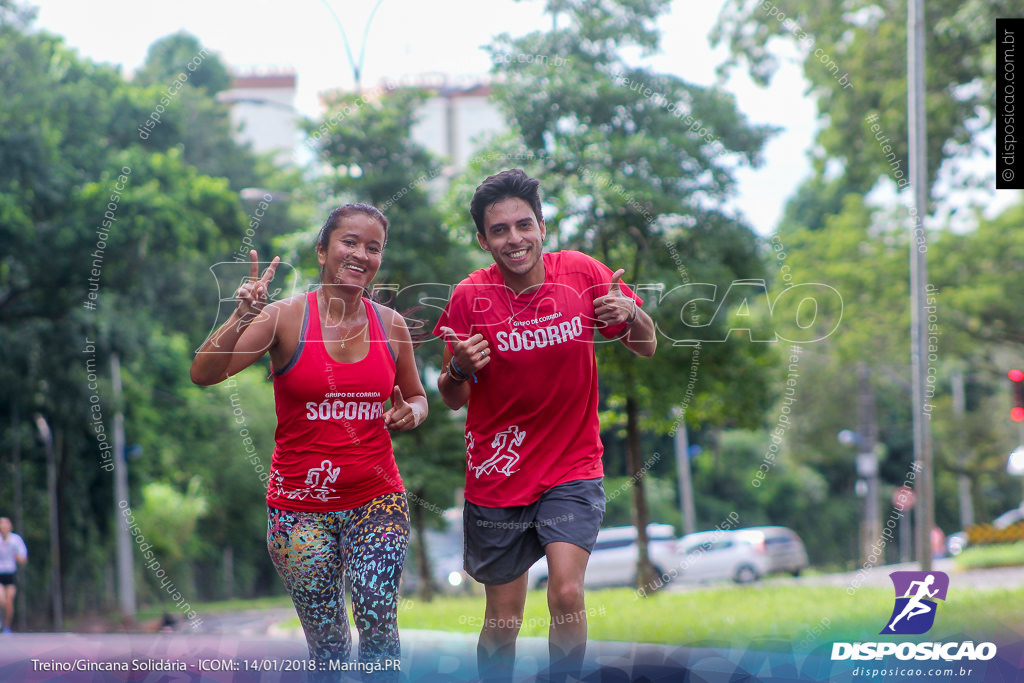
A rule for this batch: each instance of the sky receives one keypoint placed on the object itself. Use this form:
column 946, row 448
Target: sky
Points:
column 408, row 39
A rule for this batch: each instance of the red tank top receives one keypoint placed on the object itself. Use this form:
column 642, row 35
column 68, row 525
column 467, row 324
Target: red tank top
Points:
column 333, row 451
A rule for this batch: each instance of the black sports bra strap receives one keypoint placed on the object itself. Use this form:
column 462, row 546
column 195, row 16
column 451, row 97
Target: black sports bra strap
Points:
column 383, row 332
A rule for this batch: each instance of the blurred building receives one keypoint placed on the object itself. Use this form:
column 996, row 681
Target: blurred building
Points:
column 263, row 108
column 456, row 119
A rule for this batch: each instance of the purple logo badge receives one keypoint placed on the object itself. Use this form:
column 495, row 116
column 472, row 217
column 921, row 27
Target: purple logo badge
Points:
column 916, row 596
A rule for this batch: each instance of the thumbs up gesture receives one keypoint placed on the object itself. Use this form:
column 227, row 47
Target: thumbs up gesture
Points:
column 471, row 354
column 615, row 308
column 400, row 418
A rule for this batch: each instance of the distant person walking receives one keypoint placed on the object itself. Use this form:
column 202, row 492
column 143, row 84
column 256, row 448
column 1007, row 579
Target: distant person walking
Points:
column 12, row 553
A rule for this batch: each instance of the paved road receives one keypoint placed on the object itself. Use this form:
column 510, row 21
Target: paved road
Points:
column 427, row 656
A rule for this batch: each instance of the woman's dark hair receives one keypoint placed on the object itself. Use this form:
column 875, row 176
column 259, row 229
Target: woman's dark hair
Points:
column 512, row 183
column 344, row 212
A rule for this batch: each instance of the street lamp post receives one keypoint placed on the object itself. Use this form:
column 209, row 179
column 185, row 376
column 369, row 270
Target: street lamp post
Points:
column 917, row 143
column 867, row 487
column 125, row 562
column 866, row 441
column 686, row 503
column 46, row 435
column 357, row 66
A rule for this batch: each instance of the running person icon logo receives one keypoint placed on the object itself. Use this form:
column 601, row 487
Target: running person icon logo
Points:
column 916, row 596
column 318, row 483
column 503, row 463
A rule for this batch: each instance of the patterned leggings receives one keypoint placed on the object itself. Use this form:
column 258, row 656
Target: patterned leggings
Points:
column 313, row 552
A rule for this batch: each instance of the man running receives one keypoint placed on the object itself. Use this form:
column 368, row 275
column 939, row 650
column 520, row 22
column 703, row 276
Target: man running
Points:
column 520, row 351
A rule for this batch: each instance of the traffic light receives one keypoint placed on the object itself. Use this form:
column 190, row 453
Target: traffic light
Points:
column 1017, row 411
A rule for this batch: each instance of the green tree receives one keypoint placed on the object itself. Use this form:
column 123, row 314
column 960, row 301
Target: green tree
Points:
column 181, row 53
column 89, row 207
column 840, row 45
column 170, row 517
column 861, row 252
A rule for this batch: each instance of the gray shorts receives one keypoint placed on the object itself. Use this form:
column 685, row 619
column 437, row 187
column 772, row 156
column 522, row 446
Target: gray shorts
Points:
column 503, row 543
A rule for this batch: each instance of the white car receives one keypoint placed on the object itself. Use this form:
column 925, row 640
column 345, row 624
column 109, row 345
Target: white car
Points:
column 613, row 560
column 740, row 555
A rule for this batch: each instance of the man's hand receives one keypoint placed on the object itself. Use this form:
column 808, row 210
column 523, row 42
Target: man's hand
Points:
column 469, row 355
column 615, row 308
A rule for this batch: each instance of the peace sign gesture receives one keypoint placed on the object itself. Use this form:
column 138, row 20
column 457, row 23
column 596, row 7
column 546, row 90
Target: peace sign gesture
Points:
column 252, row 295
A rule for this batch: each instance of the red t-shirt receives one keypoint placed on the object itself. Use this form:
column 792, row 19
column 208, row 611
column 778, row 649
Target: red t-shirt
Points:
column 333, row 451
column 532, row 415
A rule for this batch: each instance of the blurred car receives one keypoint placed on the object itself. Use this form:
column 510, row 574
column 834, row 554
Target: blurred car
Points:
column 1009, row 517
column 613, row 559
column 740, row 555
column 784, row 550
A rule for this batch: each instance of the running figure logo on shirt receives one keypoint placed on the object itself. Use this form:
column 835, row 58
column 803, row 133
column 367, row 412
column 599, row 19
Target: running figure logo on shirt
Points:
column 502, row 462
column 317, row 480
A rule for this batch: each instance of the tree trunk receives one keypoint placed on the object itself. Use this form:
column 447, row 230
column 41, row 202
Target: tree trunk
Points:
column 229, row 572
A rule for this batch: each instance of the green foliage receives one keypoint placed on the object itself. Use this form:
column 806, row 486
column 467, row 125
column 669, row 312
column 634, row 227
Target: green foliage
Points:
column 972, row 271
column 838, row 41
column 662, row 501
column 726, row 481
column 182, row 54
column 169, row 518
column 861, row 251
column 108, row 239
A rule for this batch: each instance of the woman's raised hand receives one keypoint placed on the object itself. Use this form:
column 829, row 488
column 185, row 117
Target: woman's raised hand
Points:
column 252, row 295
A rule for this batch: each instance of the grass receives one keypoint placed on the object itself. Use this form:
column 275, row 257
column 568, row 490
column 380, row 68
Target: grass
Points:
column 156, row 610
column 995, row 555
column 774, row 615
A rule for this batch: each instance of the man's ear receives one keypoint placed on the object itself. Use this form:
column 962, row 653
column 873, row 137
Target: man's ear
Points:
column 482, row 242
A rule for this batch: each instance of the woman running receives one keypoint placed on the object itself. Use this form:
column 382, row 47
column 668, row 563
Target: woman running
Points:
column 335, row 500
